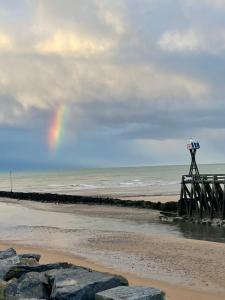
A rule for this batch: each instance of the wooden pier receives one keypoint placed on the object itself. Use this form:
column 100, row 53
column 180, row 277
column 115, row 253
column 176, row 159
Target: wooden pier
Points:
column 202, row 196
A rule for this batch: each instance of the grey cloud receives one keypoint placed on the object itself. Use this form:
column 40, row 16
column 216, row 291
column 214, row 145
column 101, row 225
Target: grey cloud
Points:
column 147, row 120
column 104, row 61
column 10, row 110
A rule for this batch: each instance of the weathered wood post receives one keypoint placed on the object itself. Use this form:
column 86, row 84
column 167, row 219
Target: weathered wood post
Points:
column 11, row 181
column 223, row 207
column 181, row 202
column 201, row 199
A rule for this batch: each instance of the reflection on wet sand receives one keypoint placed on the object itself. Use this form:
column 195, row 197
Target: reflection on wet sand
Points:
column 202, row 232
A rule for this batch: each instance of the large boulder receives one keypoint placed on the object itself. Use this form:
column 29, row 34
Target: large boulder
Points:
column 131, row 293
column 19, row 270
column 57, row 274
column 83, row 284
column 7, row 253
column 30, row 285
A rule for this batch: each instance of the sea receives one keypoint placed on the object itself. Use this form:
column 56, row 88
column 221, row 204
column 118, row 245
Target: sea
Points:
column 115, row 182
column 29, row 226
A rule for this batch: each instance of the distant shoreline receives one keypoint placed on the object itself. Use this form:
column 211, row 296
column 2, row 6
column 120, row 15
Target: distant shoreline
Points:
column 170, row 206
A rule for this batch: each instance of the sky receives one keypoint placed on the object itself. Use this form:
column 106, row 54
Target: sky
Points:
column 99, row 83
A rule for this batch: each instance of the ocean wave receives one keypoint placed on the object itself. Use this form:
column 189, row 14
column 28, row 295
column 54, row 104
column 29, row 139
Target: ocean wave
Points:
column 73, row 186
column 169, row 183
column 111, row 184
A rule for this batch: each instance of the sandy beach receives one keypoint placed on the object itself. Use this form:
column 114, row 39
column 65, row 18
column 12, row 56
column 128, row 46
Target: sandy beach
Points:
column 120, row 240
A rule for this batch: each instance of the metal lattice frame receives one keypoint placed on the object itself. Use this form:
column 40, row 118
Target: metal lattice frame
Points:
column 193, row 166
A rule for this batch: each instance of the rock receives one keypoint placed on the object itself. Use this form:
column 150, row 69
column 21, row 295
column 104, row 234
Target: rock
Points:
column 67, row 273
column 131, row 293
column 37, row 257
column 6, row 264
column 10, row 261
column 206, row 222
column 17, row 271
column 30, row 285
column 3, row 285
column 28, row 262
column 7, row 253
column 83, row 285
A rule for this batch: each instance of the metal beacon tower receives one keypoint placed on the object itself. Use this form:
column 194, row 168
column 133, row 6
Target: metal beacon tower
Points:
column 193, row 146
column 202, row 195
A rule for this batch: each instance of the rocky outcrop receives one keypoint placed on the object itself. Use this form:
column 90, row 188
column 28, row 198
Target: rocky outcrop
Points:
column 169, row 217
column 62, row 281
column 131, row 293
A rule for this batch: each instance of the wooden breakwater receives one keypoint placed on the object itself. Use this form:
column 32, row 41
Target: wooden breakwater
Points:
column 171, row 206
column 202, row 196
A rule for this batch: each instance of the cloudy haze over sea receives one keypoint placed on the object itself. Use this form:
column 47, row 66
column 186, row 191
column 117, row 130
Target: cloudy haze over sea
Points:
column 110, row 83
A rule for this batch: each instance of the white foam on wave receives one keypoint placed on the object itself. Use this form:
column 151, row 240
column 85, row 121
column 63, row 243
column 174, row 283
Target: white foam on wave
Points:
column 57, row 185
column 85, row 186
column 113, row 185
column 126, row 183
column 165, row 183
column 73, row 186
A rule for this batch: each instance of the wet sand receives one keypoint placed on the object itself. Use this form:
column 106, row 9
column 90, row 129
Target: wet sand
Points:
column 183, row 268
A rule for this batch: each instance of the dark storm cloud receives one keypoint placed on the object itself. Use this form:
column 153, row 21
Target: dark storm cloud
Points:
column 141, row 119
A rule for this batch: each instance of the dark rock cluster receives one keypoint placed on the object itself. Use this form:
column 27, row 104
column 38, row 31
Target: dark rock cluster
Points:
column 22, row 277
column 74, row 199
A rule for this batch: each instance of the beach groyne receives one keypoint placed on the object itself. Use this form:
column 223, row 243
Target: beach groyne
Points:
column 22, row 277
column 171, row 206
column 202, row 196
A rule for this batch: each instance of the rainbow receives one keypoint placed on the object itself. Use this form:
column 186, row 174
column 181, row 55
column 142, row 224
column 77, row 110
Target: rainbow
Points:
column 56, row 127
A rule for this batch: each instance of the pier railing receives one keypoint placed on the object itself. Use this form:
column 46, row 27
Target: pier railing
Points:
column 203, row 196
